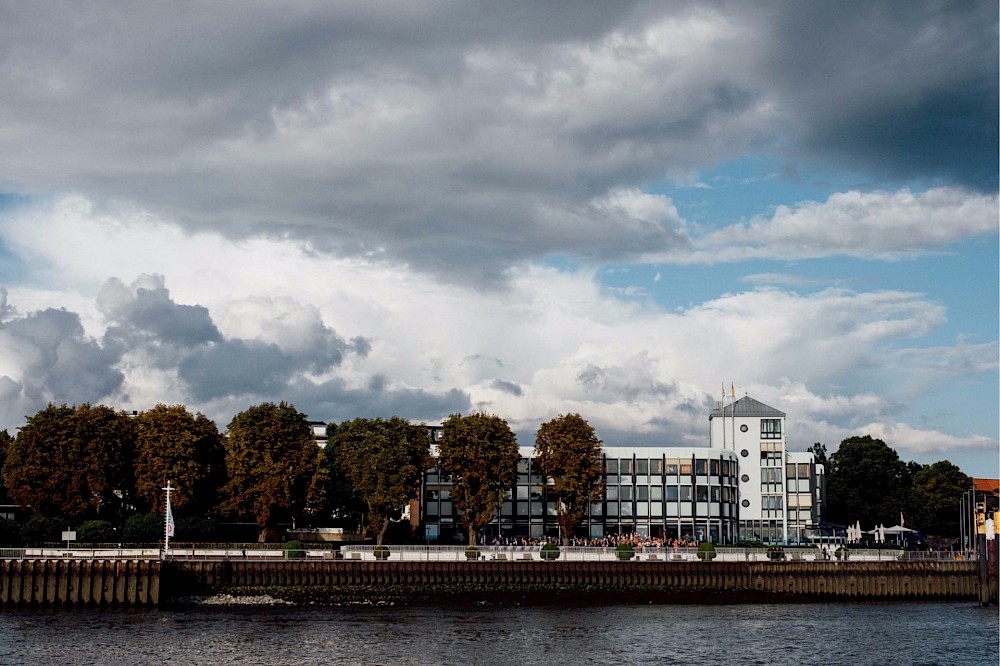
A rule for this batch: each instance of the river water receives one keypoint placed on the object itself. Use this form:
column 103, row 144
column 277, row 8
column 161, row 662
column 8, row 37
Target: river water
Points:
column 843, row 633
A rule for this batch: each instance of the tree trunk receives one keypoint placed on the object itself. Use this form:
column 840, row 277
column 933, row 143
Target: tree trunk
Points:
column 472, row 537
column 381, row 533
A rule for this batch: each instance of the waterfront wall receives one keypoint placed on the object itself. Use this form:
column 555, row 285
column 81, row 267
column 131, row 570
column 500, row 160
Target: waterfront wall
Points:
column 633, row 582
column 67, row 582
column 90, row 583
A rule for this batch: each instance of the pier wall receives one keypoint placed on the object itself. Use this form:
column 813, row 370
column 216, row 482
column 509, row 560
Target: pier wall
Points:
column 324, row 581
column 68, row 582
column 137, row 583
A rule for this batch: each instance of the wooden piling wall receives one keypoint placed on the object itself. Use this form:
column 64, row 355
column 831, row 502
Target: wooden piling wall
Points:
column 630, row 581
column 137, row 583
column 69, row 582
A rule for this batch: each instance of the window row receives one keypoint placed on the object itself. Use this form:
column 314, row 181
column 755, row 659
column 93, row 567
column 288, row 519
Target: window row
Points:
column 669, row 466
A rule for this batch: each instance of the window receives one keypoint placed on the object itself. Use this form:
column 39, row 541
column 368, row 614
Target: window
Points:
column 713, row 467
column 611, row 492
column 642, row 467
column 744, row 453
column 671, row 493
column 701, row 493
column 803, row 470
column 611, row 466
column 744, row 428
column 656, row 493
column 770, row 428
column 625, row 466
column 672, row 467
column 656, row 466
column 790, row 470
column 745, row 478
column 625, row 493
column 685, row 468
column 685, row 493
column 701, row 467
column 642, row 493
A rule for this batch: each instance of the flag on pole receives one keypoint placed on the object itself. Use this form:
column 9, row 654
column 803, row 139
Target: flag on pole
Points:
column 170, row 519
column 902, row 522
column 732, row 388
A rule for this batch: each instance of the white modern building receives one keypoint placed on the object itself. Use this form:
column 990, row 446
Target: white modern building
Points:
column 743, row 485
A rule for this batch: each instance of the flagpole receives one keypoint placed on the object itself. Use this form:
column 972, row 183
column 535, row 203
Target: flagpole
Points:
column 168, row 522
column 724, row 416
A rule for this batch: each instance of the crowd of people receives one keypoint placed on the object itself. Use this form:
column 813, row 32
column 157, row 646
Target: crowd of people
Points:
column 638, row 541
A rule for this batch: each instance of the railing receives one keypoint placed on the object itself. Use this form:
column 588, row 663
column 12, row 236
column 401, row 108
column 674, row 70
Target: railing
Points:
column 647, row 554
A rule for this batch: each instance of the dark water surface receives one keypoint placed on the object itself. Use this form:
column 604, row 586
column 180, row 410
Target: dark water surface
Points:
column 853, row 634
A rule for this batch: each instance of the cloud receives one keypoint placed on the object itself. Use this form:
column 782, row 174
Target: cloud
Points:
column 875, row 225
column 414, row 133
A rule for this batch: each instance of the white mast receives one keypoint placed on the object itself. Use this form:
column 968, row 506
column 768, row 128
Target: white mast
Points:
column 168, row 522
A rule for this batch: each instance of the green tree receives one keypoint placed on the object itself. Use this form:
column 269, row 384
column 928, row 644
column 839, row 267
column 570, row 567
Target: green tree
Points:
column 384, row 460
column 5, row 441
column 819, row 453
column 73, row 461
column 568, row 451
column 272, row 462
column 480, row 453
column 866, row 481
column 41, row 530
column 185, row 449
column 937, row 490
column 345, row 508
column 95, row 531
column 145, row 528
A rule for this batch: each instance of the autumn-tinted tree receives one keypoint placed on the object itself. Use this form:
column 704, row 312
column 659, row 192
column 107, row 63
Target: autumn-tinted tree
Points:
column 866, row 481
column 568, row 451
column 5, row 441
column 272, row 462
column 937, row 490
column 480, row 453
column 384, row 460
column 185, row 449
column 70, row 461
column 344, row 507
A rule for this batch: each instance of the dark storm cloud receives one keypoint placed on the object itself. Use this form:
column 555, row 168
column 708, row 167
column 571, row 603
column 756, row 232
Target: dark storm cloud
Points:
column 236, row 367
column 335, row 401
column 53, row 360
column 146, row 309
column 512, row 388
column 467, row 137
column 900, row 90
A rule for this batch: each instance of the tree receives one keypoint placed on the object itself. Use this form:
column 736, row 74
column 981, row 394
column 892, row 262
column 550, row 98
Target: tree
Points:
column 937, row 491
column 70, row 461
column 480, row 453
column 272, row 461
column 568, row 451
column 5, row 441
column 384, row 460
column 819, row 453
column 866, row 481
column 343, row 505
column 185, row 449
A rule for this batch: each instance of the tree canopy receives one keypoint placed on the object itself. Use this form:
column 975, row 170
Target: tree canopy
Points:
column 567, row 450
column 185, row 449
column 866, row 481
column 274, row 466
column 384, row 460
column 937, row 490
column 480, row 454
column 70, row 461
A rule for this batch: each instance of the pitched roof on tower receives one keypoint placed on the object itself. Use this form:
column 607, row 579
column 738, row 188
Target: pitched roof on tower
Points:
column 747, row 406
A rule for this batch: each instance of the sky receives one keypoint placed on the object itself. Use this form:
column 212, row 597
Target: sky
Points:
column 526, row 208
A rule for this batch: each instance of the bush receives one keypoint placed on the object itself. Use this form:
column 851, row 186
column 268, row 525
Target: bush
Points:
column 549, row 551
column 10, row 533
column 96, row 531
column 840, row 553
column 196, row 528
column 293, row 550
column 625, row 551
column 40, row 530
column 706, row 551
column 381, row 552
column 144, row 528
column 472, row 553
column 776, row 553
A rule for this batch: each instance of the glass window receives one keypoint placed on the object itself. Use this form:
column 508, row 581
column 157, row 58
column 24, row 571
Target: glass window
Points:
column 613, row 509
column 432, row 509
column 770, row 428
column 656, row 509
column 507, row 509
column 790, row 470
column 656, row 466
column 713, row 467
column 803, row 470
column 612, row 479
column 642, row 467
column 625, row 493
column 642, row 493
column 536, row 493
column 672, row 467
column 715, row 493
column 536, row 508
column 522, row 492
column 656, row 493
column 642, row 509
column 611, row 465
column 522, row 509
column 522, row 466
column 725, row 468
column 701, row 467
column 672, row 493
column 433, row 494
column 446, row 508
column 685, row 468
column 626, row 509
column 685, row 493
column 625, row 466
column 596, row 509
column 702, row 493
column 611, row 492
